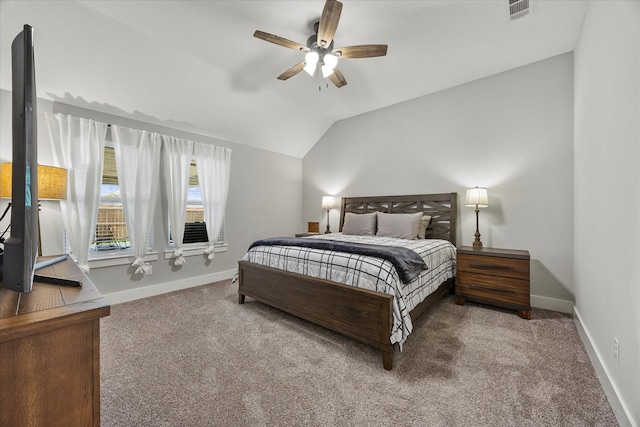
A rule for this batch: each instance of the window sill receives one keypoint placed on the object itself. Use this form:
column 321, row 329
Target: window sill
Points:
column 196, row 250
column 112, row 259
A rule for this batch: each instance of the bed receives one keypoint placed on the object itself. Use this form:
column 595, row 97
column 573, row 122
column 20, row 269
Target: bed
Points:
column 362, row 314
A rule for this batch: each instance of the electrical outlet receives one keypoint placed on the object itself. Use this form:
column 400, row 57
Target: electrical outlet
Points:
column 616, row 349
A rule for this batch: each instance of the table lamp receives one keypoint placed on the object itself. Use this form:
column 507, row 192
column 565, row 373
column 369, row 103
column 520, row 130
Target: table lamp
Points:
column 328, row 203
column 477, row 197
column 52, row 185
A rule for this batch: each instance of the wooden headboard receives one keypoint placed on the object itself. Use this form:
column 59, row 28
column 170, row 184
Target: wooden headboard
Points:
column 443, row 209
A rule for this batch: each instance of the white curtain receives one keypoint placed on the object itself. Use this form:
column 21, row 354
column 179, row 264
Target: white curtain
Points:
column 214, row 166
column 78, row 146
column 176, row 155
column 138, row 163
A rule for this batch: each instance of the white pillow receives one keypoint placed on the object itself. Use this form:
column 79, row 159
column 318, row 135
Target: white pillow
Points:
column 402, row 226
column 360, row 224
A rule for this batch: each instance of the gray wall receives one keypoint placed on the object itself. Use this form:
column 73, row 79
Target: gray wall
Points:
column 607, row 191
column 264, row 200
column 511, row 132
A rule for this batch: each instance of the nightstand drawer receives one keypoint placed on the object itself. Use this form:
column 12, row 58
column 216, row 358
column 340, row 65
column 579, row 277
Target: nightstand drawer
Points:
column 507, row 290
column 494, row 266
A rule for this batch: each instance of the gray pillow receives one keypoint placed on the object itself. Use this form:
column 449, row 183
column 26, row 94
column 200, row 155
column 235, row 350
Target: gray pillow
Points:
column 424, row 223
column 402, row 226
column 360, row 224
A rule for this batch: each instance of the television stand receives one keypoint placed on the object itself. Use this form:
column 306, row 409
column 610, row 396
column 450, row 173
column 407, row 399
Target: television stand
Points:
column 50, row 347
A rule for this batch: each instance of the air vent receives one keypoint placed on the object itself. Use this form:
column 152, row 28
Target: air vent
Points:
column 519, row 8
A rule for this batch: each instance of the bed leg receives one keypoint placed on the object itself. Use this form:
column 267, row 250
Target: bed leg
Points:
column 240, row 298
column 387, row 357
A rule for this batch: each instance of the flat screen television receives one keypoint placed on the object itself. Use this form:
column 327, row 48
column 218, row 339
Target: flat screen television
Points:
column 21, row 248
column 18, row 259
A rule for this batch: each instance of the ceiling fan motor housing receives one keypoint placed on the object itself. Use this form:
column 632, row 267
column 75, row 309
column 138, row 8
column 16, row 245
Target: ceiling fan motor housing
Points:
column 312, row 44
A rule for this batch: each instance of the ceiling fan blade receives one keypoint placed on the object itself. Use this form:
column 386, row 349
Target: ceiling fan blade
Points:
column 279, row 41
column 337, row 78
column 329, row 22
column 292, row 71
column 361, row 51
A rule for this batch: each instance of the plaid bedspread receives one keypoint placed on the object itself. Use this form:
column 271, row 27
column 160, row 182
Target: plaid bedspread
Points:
column 406, row 261
column 367, row 272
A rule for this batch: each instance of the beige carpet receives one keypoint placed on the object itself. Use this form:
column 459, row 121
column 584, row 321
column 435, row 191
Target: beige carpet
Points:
column 198, row 358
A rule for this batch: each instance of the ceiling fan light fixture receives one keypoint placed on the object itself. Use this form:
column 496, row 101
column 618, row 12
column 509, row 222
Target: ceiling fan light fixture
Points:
column 311, row 59
column 330, row 61
column 326, row 71
column 310, row 69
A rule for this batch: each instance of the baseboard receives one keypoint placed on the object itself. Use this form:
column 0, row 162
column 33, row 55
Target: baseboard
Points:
column 563, row 306
column 163, row 288
column 620, row 411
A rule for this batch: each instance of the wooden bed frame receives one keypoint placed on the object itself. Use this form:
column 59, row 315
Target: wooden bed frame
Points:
column 364, row 315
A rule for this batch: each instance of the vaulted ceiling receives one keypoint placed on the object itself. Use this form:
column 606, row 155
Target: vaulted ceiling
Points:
column 195, row 65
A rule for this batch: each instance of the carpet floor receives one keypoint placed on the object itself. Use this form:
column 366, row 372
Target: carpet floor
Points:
column 197, row 358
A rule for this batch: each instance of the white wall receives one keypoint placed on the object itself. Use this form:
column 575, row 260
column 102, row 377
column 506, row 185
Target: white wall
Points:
column 264, row 200
column 607, row 191
column 511, row 132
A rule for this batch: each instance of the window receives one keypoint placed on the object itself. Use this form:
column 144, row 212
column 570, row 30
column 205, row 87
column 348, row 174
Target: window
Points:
column 141, row 152
column 195, row 231
column 111, row 229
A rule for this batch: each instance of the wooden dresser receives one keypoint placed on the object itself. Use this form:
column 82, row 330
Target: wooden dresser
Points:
column 50, row 352
column 494, row 276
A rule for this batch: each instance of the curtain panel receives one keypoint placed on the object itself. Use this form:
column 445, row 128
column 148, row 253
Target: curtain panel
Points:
column 176, row 156
column 214, row 168
column 138, row 164
column 78, row 146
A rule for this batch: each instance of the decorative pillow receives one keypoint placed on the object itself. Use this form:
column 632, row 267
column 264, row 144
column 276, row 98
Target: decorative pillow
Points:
column 360, row 224
column 403, row 226
column 424, row 223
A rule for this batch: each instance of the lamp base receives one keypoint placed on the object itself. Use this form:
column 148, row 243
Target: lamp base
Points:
column 328, row 231
column 477, row 244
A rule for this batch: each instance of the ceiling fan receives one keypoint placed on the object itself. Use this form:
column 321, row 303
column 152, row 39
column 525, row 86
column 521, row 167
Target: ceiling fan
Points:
column 319, row 49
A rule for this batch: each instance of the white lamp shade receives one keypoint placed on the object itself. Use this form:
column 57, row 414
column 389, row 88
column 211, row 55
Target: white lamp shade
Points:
column 330, row 62
column 328, row 202
column 326, row 71
column 477, row 197
column 311, row 59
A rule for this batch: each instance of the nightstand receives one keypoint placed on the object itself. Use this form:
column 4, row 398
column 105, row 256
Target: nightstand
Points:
column 494, row 276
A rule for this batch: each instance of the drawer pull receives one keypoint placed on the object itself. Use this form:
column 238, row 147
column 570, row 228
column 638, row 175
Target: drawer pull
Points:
column 492, row 289
column 492, row 267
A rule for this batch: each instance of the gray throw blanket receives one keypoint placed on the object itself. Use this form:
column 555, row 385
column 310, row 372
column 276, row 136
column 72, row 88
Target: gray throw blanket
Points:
column 406, row 261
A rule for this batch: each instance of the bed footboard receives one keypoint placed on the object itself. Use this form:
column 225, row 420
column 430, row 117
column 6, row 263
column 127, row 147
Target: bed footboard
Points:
column 361, row 314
